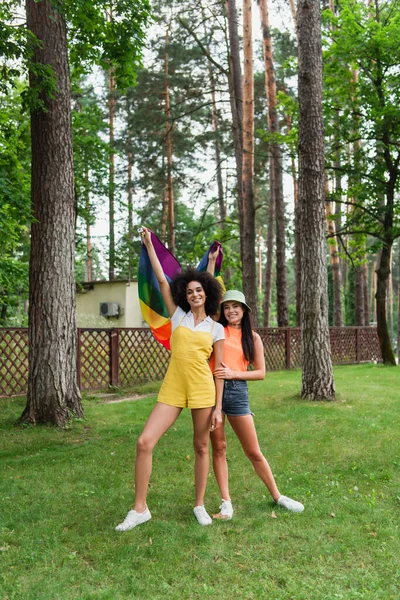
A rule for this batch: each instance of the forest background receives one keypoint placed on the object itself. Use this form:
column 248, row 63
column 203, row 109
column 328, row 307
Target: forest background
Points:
column 162, row 152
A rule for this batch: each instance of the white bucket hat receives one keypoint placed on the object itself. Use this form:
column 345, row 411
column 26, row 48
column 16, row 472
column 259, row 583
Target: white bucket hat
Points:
column 235, row 296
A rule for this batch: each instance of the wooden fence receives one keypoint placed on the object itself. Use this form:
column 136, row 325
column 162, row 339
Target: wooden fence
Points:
column 127, row 356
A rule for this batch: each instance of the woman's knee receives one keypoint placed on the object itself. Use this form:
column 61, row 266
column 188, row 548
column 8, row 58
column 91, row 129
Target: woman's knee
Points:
column 200, row 447
column 255, row 455
column 219, row 448
column 144, row 444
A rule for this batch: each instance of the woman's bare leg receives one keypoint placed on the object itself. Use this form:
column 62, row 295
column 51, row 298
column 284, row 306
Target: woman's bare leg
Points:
column 245, row 431
column 160, row 420
column 201, row 436
column 220, row 466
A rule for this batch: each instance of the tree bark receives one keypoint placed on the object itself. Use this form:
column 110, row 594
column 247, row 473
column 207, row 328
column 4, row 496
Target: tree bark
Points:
column 270, row 259
column 317, row 375
column 130, row 201
column 381, row 315
column 111, row 170
column 168, row 142
column 236, row 100
column 359, row 296
column 335, row 266
column 53, row 394
column 248, row 232
column 366, row 292
column 276, row 167
column 89, row 260
column 217, row 148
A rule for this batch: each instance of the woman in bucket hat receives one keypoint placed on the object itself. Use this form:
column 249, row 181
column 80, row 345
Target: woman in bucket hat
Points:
column 243, row 347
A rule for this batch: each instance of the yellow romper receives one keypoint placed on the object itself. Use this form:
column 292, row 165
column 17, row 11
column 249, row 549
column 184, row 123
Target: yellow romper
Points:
column 189, row 382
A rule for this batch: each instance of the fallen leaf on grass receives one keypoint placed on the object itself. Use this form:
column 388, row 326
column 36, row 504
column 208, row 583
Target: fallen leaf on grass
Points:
column 219, row 516
column 217, row 559
column 273, row 515
column 333, row 515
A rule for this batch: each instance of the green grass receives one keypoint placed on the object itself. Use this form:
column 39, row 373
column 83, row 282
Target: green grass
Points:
column 62, row 493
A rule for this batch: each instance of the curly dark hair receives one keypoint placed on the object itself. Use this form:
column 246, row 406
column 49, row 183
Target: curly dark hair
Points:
column 247, row 332
column 209, row 284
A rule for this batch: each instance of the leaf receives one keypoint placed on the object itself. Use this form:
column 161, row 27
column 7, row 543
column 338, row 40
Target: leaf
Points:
column 273, row 515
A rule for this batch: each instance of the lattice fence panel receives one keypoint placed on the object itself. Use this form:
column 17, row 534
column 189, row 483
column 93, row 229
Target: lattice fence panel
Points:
column 13, row 362
column 343, row 345
column 141, row 357
column 295, row 348
column 369, row 345
column 274, row 342
column 95, row 358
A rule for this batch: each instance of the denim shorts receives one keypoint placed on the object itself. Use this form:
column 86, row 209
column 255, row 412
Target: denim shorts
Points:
column 235, row 401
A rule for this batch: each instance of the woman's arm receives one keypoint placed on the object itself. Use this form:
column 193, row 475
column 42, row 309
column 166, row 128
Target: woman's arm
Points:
column 259, row 365
column 212, row 259
column 159, row 273
column 216, row 418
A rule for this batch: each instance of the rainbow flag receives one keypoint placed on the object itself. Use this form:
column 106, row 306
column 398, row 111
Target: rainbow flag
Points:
column 151, row 302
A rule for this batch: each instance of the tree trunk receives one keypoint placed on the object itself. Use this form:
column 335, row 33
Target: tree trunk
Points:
column 317, row 375
column 381, row 294
column 53, row 394
column 236, row 101
column 335, row 266
column 366, row 292
column 111, row 181
column 297, row 232
column 359, row 296
column 89, row 260
column 168, row 142
column 276, row 166
column 270, row 259
column 217, row 149
column 248, row 233
column 398, row 321
column 130, row 203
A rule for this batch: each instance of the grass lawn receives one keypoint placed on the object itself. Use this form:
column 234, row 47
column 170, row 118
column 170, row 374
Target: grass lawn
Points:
column 63, row 492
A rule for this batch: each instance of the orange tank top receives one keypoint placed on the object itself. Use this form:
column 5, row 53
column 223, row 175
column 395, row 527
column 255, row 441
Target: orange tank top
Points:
column 233, row 351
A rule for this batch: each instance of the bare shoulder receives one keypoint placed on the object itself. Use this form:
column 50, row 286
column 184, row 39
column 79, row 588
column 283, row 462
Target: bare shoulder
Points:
column 256, row 337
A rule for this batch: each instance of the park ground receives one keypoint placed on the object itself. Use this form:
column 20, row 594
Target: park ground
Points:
column 63, row 492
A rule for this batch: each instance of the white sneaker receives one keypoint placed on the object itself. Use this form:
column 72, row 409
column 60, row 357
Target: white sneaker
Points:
column 290, row 504
column 202, row 516
column 132, row 519
column 226, row 509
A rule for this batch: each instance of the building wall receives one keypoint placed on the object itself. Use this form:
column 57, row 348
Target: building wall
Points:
column 124, row 292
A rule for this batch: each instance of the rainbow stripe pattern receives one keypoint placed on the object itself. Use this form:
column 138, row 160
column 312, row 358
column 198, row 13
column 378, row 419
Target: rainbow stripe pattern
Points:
column 151, row 302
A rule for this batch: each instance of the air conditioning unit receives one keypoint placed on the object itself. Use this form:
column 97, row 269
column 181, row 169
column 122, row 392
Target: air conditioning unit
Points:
column 109, row 309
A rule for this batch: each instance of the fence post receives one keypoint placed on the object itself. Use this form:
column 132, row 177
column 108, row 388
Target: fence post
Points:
column 358, row 343
column 288, row 348
column 79, row 359
column 114, row 357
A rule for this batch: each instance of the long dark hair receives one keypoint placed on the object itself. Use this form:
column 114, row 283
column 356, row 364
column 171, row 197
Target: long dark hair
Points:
column 247, row 332
column 209, row 284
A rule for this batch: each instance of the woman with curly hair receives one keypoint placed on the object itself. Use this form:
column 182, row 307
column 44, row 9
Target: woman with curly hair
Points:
column 191, row 299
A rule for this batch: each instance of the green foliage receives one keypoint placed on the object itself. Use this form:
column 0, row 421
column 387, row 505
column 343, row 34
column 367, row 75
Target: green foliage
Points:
column 59, row 508
column 362, row 100
column 14, row 202
column 107, row 35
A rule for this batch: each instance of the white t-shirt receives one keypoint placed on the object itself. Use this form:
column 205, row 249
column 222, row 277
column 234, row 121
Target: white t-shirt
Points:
column 208, row 325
